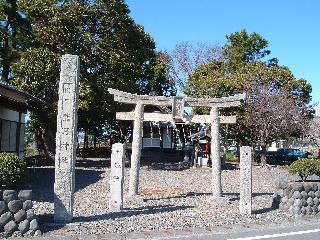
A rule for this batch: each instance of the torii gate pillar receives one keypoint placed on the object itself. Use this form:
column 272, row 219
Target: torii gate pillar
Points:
column 215, row 153
column 136, row 150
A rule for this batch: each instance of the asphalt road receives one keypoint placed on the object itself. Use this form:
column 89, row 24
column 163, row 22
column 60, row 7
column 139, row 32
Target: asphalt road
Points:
column 309, row 234
column 305, row 229
column 300, row 229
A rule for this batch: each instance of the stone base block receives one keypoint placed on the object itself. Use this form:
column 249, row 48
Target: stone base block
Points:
column 218, row 200
column 15, row 220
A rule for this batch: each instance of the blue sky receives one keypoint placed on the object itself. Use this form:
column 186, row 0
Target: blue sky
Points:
column 292, row 27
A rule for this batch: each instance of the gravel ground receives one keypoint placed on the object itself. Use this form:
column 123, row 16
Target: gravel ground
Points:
column 171, row 199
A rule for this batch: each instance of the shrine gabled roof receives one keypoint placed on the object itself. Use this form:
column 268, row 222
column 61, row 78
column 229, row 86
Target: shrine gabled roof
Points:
column 15, row 89
column 13, row 97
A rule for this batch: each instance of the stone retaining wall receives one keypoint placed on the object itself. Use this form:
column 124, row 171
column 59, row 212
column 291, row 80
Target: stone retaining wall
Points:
column 298, row 198
column 17, row 217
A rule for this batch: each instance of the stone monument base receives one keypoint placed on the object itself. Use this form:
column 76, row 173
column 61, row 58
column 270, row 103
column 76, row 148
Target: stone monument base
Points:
column 219, row 200
column 134, row 199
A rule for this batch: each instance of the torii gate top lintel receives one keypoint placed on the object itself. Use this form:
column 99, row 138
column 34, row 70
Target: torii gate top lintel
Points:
column 223, row 102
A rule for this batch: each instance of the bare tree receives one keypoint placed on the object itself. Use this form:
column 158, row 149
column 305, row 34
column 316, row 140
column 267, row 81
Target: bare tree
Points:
column 314, row 131
column 271, row 113
column 186, row 57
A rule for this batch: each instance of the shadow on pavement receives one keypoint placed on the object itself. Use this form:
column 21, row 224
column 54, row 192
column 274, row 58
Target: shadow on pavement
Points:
column 128, row 212
column 42, row 181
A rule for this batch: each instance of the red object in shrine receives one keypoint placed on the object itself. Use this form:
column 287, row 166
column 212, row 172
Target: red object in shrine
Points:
column 206, row 147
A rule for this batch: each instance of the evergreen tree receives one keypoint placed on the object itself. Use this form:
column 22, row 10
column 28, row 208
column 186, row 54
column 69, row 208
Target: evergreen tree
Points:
column 15, row 35
column 114, row 52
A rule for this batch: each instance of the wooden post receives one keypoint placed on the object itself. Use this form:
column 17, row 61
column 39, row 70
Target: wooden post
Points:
column 215, row 153
column 136, row 150
column 18, row 133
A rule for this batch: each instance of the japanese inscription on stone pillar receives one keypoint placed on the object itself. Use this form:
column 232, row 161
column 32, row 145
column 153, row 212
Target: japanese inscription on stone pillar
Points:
column 66, row 139
column 116, row 177
column 245, row 180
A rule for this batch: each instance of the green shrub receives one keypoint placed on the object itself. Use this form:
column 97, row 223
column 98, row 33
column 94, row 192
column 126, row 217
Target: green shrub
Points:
column 12, row 169
column 303, row 167
column 231, row 156
column 317, row 170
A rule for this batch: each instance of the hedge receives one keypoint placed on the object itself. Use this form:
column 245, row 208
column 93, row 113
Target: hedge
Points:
column 305, row 167
column 12, row 169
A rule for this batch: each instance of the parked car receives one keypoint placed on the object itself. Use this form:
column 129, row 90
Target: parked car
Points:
column 232, row 149
column 292, row 153
column 284, row 155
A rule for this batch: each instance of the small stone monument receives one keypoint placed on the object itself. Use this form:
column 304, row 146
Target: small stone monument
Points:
column 116, row 177
column 66, row 139
column 245, row 181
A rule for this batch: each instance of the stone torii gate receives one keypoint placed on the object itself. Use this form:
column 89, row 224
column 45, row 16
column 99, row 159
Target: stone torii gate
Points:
column 178, row 104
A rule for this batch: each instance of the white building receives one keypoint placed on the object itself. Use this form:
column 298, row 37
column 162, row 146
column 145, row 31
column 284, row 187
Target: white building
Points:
column 13, row 107
column 317, row 111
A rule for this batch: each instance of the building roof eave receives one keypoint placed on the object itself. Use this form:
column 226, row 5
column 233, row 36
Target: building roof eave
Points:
column 29, row 98
column 14, row 89
column 13, row 104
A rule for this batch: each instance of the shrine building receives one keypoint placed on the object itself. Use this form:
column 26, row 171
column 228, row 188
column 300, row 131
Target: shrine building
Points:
column 14, row 104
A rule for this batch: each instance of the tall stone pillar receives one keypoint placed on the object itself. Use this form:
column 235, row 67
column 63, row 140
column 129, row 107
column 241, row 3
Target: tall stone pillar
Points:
column 136, row 150
column 215, row 153
column 66, row 139
column 245, row 181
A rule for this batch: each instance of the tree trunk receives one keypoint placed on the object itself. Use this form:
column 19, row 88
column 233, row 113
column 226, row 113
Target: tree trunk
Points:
column 5, row 52
column 94, row 142
column 45, row 142
column 49, row 143
column 10, row 22
column 224, row 156
column 85, row 140
column 263, row 155
column 39, row 141
column 5, row 72
column 239, row 145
